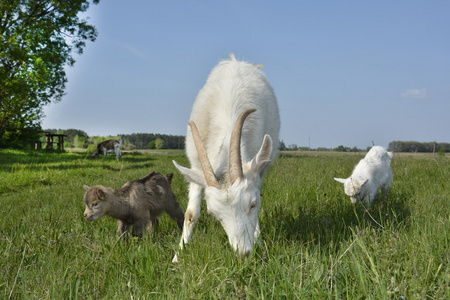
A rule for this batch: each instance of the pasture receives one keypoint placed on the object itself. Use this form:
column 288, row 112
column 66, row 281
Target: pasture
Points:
column 314, row 243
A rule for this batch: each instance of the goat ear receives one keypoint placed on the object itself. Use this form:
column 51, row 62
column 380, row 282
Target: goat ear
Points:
column 341, row 180
column 101, row 194
column 192, row 175
column 169, row 178
column 262, row 158
column 86, row 187
column 361, row 183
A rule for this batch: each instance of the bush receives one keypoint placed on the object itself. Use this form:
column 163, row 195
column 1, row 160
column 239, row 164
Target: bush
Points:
column 91, row 148
column 159, row 143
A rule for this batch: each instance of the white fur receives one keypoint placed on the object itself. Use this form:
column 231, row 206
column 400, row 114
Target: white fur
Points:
column 232, row 88
column 372, row 173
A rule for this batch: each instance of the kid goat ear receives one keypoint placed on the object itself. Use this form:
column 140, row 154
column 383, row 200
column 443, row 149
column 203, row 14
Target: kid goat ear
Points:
column 341, row 180
column 101, row 194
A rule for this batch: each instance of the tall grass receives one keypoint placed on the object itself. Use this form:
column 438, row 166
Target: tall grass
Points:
column 314, row 243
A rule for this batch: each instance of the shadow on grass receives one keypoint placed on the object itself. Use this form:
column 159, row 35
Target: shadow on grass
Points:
column 56, row 160
column 334, row 224
column 392, row 211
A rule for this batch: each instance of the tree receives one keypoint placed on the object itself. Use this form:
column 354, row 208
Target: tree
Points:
column 37, row 38
column 340, row 148
column 76, row 141
column 412, row 146
column 141, row 140
column 159, row 143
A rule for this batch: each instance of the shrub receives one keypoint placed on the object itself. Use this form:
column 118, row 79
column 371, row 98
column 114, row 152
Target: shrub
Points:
column 159, row 143
column 91, row 148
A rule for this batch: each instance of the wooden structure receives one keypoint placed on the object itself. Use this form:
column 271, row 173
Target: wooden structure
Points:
column 49, row 141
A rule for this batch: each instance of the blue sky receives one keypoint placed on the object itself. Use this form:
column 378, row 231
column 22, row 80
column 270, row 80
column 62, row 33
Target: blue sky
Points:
column 344, row 72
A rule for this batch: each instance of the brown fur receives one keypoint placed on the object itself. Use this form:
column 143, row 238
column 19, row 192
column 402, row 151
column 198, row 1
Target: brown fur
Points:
column 108, row 146
column 138, row 203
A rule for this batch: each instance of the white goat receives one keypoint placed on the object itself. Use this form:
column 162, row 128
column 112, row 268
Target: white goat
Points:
column 228, row 168
column 370, row 174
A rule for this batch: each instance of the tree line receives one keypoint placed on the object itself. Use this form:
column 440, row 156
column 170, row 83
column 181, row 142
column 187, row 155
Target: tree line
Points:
column 397, row 146
column 146, row 140
column 80, row 139
column 340, row 148
column 412, row 146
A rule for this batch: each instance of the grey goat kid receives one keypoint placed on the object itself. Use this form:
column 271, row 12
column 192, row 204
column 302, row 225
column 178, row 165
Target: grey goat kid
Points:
column 110, row 146
column 138, row 203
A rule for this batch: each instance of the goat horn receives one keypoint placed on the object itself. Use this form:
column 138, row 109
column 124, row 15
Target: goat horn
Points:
column 234, row 156
column 211, row 179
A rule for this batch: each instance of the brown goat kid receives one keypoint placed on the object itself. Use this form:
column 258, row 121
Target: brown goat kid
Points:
column 138, row 203
column 110, row 146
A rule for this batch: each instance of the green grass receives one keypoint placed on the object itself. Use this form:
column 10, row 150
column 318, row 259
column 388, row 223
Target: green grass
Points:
column 314, row 243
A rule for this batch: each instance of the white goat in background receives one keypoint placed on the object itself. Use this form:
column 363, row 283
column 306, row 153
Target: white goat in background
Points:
column 370, row 174
column 229, row 156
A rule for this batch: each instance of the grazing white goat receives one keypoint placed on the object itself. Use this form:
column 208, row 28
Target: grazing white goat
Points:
column 109, row 146
column 229, row 156
column 372, row 173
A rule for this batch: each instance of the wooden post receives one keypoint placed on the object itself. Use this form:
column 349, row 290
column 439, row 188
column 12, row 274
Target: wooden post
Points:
column 60, row 142
column 49, row 141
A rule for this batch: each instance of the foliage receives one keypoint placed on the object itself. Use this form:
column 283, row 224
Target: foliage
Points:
column 129, row 141
column 151, row 144
column 75, row 138
column 430, row 147
column 159, row 143
column 91, row 149
column 37, row 38
column 142, row 140
column 314, row 244
column 71, row 133
column 20, row 138
column 81, row 142
column 342, row 148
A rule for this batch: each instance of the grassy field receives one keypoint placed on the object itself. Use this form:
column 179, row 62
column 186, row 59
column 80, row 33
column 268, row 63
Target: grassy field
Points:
column 314, row 244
